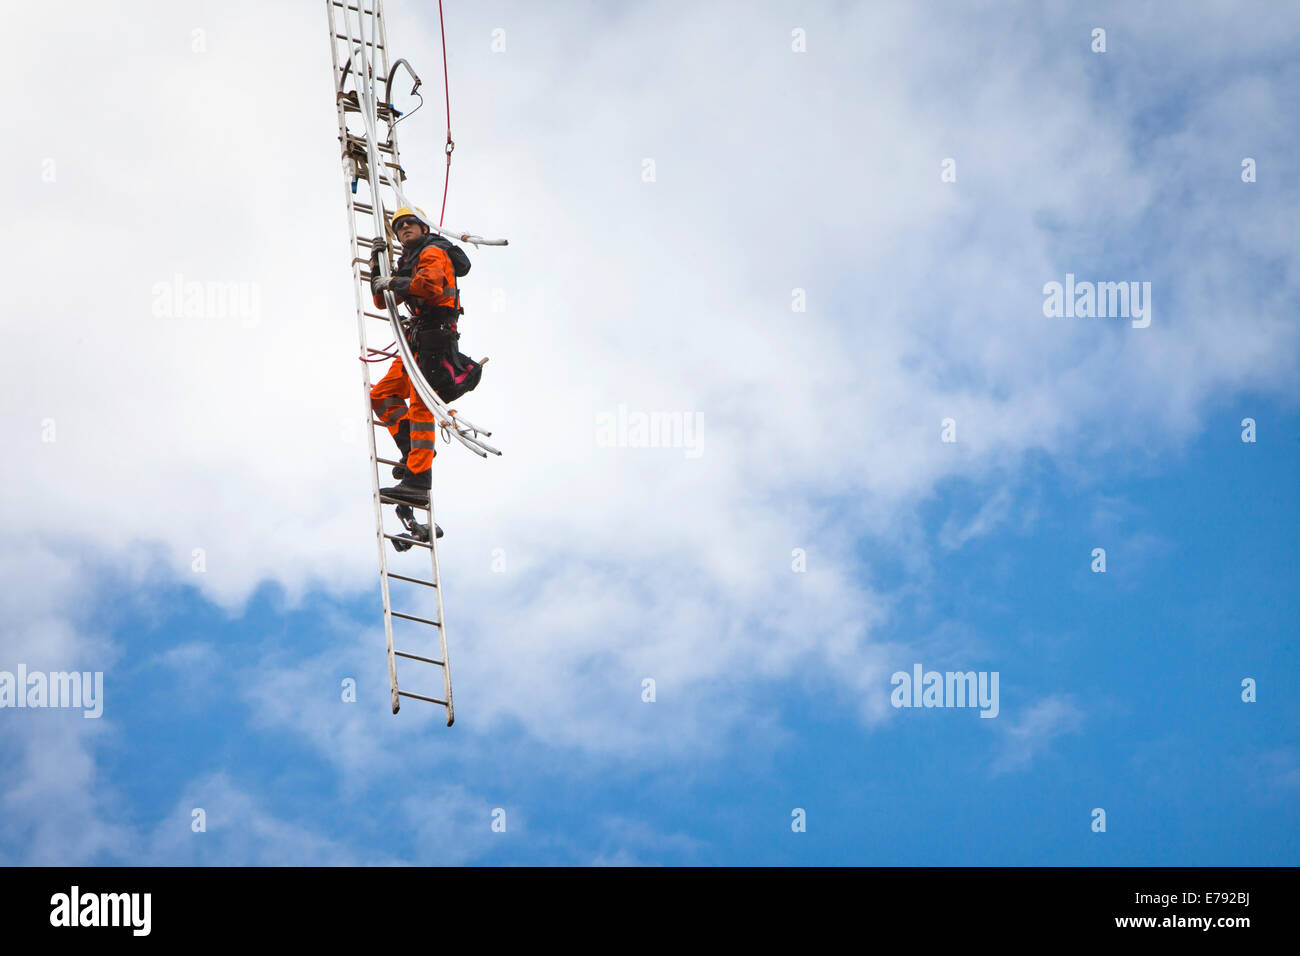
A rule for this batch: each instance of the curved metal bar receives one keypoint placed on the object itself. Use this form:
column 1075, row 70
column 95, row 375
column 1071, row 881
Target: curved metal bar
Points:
column 469, row 424
column 388, row 88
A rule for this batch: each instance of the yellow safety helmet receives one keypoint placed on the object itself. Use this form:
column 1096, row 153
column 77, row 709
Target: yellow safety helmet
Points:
column 408, row 212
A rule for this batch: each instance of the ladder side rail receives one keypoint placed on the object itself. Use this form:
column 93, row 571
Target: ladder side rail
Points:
column 380, row 540
column 433, row 538
column 365, row 80
column 382, row 38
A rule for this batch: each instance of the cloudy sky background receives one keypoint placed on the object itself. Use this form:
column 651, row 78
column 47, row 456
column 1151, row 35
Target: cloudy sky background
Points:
column 135, row 159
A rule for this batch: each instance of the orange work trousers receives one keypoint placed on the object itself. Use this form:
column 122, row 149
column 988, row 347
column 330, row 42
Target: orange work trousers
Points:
column 388, row 398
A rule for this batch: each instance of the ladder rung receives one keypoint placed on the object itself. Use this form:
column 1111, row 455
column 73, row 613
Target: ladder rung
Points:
column 360, row 141
column 410, row 504
column 412, row 617
column 417, row 657
column 364, row 208
column 388, row 148
column 386, row 461
column 403, row 577
column 344, row 36
column 381, row 109
column 336, row 3
column 393, row 537
column 384, row 181
column 432, row 700
column 352, row 102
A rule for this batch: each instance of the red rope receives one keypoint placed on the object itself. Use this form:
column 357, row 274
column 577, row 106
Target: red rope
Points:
column 446, row 86
column 384, row 354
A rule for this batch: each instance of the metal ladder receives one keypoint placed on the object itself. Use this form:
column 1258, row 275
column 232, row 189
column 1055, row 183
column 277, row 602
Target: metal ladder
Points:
column 370, row 217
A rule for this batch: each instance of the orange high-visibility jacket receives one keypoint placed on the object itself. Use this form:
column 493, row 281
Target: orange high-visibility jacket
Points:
column 427, row 283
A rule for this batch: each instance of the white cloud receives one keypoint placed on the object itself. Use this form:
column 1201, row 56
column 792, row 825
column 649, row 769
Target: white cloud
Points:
column 58, row 807
column 449, row 826
column 991, row 514
column 56, row 803
column 1033, row 732
column 240, row 830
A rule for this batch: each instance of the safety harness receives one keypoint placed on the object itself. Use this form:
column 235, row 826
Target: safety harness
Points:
column 433, row 315
column 432, row 328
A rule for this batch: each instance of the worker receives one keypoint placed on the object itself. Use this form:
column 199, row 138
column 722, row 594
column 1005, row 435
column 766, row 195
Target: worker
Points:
column 425, row 281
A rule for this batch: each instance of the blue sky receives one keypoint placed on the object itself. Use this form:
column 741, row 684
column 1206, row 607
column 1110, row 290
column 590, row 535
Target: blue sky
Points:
column 777, row 171
column 1148, row 657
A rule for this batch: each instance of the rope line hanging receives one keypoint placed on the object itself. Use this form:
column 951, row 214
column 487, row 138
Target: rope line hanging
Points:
column 446, row 87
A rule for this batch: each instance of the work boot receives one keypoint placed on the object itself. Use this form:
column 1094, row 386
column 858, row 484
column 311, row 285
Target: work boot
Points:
column 415, row 532
column 414, row 487
column 403, row 439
